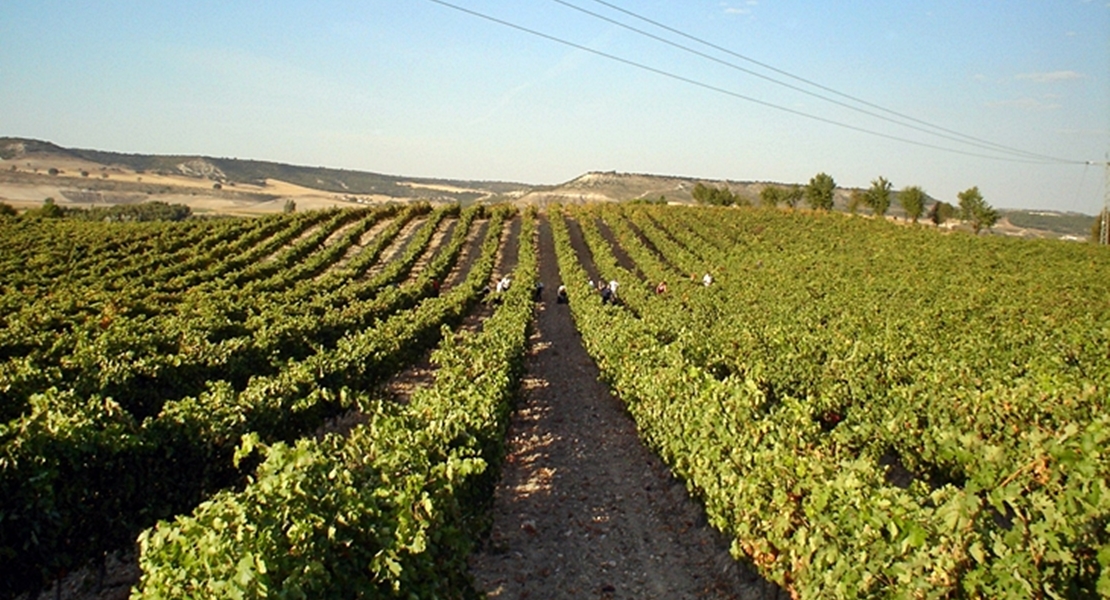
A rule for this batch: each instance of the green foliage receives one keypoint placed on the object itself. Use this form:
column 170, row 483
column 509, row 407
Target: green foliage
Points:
column 391, row 510
column 147, row 211
column 819, row 192
column 861, row 427
column 177, row 340
column 715, row 196
column 856, row 199
column 941, row 212
column 7, row 210
column 912, row 199
column 975, row 210
column 770, row 196
column 49, row 210
column 878, row 196
column 290, row 206
column 793, row 196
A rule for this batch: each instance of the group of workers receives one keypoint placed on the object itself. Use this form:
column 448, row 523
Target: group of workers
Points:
column 607, row 290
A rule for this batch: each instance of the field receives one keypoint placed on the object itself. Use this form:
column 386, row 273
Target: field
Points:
column 865, row 409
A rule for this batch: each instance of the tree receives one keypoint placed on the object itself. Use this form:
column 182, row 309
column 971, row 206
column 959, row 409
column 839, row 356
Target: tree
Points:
column 290, row 206
column 793, row 196
column 855, row 200
column 716, row 196
column 912, row 199
column 975, row 210
column 7, row 210
column 878, row 196
column 941, row 212
column 770, row 196
column 146, row 211
column 819, row 192
column 701, row 193
column 50, row 210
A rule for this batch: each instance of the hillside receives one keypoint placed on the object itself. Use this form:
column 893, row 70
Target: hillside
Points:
column 33, row 170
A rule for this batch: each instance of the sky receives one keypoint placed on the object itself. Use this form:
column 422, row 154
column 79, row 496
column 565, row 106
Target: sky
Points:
column 1021, row 89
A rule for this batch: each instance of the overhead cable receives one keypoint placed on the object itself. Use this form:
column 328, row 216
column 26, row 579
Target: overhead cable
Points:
column 731, row 93
column 921, row 126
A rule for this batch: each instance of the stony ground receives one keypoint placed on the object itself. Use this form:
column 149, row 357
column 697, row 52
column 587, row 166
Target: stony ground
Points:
column 583, row 509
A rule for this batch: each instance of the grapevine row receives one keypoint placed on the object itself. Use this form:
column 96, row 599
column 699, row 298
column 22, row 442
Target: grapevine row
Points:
column 390, row 510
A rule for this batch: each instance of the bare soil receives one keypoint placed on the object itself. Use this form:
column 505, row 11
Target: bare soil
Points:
column 583, row 509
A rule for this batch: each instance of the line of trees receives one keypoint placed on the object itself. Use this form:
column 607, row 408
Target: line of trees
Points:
column 772, row 196
column 147, row 211
column 722, row 196
column 819, row 194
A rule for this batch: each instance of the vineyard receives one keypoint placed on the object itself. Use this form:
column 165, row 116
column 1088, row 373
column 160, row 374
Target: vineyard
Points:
column 865, row 409
column 868, row 410
column 228, row 375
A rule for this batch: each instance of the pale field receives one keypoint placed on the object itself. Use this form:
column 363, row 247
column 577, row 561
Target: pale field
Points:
column 196, row 193
column 439, row 188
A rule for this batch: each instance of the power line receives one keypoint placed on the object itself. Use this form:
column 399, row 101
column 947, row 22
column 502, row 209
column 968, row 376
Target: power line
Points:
column 731, row 93
column 965, row 138
column 924, row 126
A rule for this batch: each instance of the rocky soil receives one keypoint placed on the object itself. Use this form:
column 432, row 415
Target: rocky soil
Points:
column 584, row 510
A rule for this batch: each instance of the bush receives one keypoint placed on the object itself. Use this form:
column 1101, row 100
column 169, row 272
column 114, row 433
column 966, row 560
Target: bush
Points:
column 721, row 196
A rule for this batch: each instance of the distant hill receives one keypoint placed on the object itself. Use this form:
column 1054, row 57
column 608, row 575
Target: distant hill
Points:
column 32, row 169
column 256, row 172
column 1066, row 224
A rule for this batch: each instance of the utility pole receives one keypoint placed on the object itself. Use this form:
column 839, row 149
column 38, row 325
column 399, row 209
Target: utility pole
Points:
column 1104, row 227
column 1104, row 216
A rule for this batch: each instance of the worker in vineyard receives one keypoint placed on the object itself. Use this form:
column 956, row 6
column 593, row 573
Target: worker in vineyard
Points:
column 707, row 280
column 613, row 290
column 503, row 285
column 661, row 288
column 537, row 292
column 606, row 294
column 561, row 295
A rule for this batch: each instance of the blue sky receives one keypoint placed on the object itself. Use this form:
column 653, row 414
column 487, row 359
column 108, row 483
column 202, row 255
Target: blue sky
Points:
column 412, row 87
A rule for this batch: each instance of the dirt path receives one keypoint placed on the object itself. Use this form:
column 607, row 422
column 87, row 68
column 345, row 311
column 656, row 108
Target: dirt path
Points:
column 583, row 510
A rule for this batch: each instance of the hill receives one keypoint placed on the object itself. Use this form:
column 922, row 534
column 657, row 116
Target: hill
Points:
column 32, row 170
